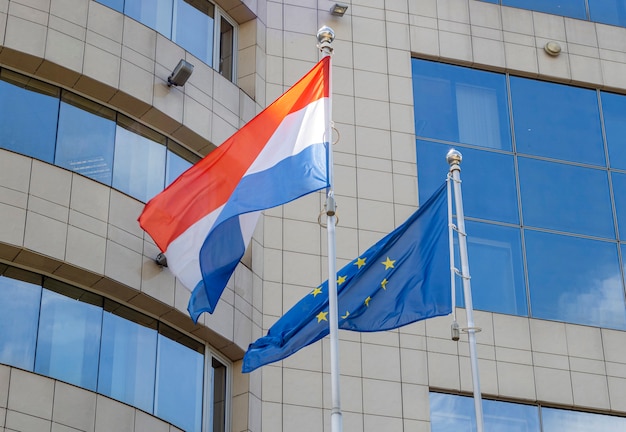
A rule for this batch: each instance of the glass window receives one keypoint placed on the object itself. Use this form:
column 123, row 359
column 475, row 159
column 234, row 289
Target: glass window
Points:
column 139, row 165
column 68, row 342
column 118, row 5
column 489, row 190
column 568, row 8
column 179, row 381
column 218, row 409
column 156, row 14
column 565, row 198
column 193, row 28
column 458, row 104
column 23, row 103
column 177, row 162
column 619, row 192
column 19, row 317
column 495, row 260
column 227, row 47
column 557, row 121
column 128, row 358
column 86, row 138
column 451, row 413
column 608, row 11
column 574, row 280
column 614, row 112
column 557, row 420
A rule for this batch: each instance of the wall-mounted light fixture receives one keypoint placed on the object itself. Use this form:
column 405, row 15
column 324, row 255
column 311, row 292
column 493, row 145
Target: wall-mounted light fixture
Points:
column 181, row 74
column 338, row 9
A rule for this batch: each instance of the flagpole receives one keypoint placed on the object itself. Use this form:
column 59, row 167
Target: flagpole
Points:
column 325, row 37
column 454, row 160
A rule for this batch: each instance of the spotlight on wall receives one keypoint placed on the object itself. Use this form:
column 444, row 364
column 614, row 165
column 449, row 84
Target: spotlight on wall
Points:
column 338, row 9
column 161, row 260
column 181, row 74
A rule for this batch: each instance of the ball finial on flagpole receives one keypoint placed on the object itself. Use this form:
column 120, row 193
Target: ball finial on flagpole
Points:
column 454, row 157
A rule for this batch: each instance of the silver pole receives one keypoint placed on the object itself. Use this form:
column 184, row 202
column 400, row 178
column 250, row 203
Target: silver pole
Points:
column 454, row 160
column 325, row 37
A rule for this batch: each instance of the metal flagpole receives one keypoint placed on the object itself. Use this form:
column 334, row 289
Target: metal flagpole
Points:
column 325, row 37
column 454, row 160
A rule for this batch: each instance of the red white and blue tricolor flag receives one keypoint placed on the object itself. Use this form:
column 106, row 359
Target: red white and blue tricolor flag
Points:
column 204, row 220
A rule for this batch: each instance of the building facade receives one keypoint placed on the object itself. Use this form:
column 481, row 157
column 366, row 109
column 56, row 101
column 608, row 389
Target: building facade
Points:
column 94, row 334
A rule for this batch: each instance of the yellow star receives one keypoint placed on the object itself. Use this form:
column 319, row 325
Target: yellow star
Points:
column 316, row 291
column 322, row 316
column 340, row 280
column 388, row 263
column 367, row 301
column 360, row 262
column 346, row 315
column 383, row 284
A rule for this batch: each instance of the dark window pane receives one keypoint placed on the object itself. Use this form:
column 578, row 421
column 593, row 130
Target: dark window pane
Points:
column 489, row 190
column 127, row 361
column 19, row 317
column 557, row 420
column 86, row 138
column 458, row 104
column 69, row 340
column 574, row 280
column 139, row 168
column 227, row 35
column 218, row 381
column 156, row 14
column 452, row 413
column 193, row 28
column 496, row 269
column 557, row 121
column 608, row 11
column 565, row 198
column 568, row 8
column 614, row 112
column 23, row 103
column 179, row 379
column 118, row 5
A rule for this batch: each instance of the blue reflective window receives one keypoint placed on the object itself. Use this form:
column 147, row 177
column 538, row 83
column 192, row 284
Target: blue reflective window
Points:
column 86, row 138
column 139, row 165
column 24, row 103
column 68, row 342
column 608, row 11
column 619, row 192
column 178, row 397
column 557, row 420
column 193, row 28
column 451, row 413
column 118, row 5
column 557, row 121
column 614, row 112
column 175, row 166
column 127, row 361
column 495, row 260
column 156, row 14
column 458, row 104
column 574, row 280
column 568, row 8
column 566, row 198
column 19, row 303
column 489, row 190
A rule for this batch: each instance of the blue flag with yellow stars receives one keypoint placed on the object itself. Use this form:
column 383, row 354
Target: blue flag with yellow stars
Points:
column 403, row 278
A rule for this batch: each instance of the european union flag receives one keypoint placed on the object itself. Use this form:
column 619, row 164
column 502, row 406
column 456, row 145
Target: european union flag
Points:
column 403, row 278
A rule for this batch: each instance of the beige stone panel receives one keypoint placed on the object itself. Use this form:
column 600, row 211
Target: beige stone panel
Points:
column 614, row 346
column 398, row 35
column 617, row 393
column 610, row 37
column 511, row 332
column 302, row 419
column 30, row 394
column 424, row 41
column 13, row 225
column 614, row 74
column 139, row 38
column 45, row 235
column 382, row 398
column 24, row 37
column 147, row 423
column 302, row 387
column 553, row 361
column 105, row 21
column 443, row 371
column 156, row 281
column 123, row 264
column 488, row 53
column 380, row 362
column 5, row 375
column 401, row 117
column 517, row 381
column 74, row 407
column 521, row 58
column 584, row 342
column 590, row 390
column 35, row 11
column 375, row 216
column 85, row 250
column 113, row 416
column 456, row 46
column 17, row 421
column 549, row 26
column 554, row 67
column 553, row 385
column 102, row 66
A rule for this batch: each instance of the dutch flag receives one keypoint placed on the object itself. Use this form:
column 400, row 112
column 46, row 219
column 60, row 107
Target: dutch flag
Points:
column 204, row 220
